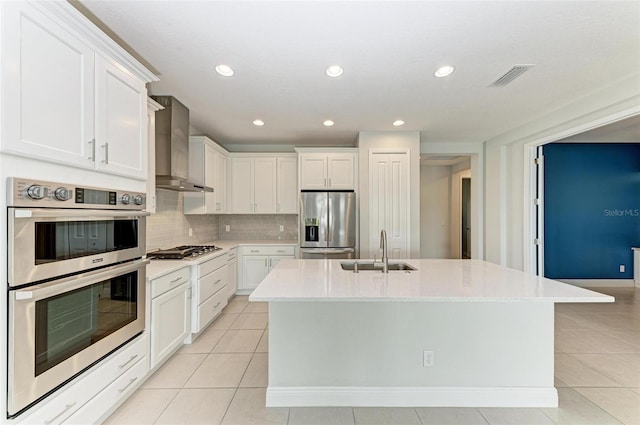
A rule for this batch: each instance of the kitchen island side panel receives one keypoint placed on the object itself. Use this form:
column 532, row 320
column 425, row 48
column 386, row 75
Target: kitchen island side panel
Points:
column 329, row 345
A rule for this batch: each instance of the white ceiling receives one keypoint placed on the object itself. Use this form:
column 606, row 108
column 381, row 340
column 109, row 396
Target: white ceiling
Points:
column 389, row 50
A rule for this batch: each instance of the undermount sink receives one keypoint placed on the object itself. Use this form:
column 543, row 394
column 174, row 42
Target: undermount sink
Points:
column 371, row 266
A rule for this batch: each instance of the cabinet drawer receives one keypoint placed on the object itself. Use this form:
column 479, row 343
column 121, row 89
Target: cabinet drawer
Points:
column 98, row 406
column 232, row 253
column 211, row 283
column 209, row 309
column 79, row 391
column 169, row 281
column 211, row 265
column 269, row 250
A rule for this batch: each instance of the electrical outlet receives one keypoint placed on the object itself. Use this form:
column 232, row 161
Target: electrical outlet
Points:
column 227, row 228
column 427, row 360
column 281, row 228
column 621, row 268
column 190, row 231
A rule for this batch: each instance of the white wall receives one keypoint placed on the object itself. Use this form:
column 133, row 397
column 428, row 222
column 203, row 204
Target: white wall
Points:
column 506, row 194
column 390, row 140
column 435, row 211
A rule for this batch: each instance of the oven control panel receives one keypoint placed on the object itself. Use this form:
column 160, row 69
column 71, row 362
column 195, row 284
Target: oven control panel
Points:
column 35, row 193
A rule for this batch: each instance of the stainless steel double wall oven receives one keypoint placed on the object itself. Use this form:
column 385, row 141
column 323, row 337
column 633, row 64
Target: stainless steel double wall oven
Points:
column 76, row 278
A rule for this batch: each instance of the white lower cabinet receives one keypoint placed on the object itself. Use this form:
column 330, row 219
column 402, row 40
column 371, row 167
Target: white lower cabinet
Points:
column 93, row 395
column 170, row 314
column 257, row 262
column 232, row 270
column 209, row 291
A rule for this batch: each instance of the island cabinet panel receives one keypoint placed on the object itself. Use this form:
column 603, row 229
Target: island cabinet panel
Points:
column 484, row 353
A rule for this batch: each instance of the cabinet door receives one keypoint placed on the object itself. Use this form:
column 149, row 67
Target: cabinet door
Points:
column 287, row 186
column 210, row 179
column 340, row 171
column 264, row 185
column 48, row 89
column 221, row 183
column 275, row 259
column 121, row 131
column 254, row 270
column 169, row 322
column 241, row 185
column 313, row 171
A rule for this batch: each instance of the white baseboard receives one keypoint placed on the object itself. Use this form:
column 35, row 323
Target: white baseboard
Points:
column 412, row 396
column 599, row 283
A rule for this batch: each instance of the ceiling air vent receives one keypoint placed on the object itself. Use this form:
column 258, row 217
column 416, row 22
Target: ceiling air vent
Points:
column 510, row 75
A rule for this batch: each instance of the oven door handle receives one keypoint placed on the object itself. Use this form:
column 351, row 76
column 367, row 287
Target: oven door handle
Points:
column 48, row 289
column 68, row 215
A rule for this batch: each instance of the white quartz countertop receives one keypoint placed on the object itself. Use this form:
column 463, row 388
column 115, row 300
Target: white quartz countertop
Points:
column 159, row 268
column 434, row 281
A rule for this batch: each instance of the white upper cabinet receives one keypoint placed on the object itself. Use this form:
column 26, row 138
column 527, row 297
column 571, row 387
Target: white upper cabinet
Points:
column 121, row 131
column 287, row 185
column 324, row 170
column 71, row 94
column 253, row 184
column 207, row 166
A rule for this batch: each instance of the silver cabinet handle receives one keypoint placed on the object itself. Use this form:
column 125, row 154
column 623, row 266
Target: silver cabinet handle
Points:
column 217, row 281
column 325, row 182
column 66, row 408
column 217, row 305
column 131, row 381
column 106, row 153
column 255, row 250
column 92, row 142
column 265, row 262
column 176, row 280
column 329, row 181
column 132, row 358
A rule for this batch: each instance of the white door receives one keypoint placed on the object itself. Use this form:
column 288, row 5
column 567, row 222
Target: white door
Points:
column 389, row 202
column 313, row 171
column 340, row 172
column 264, row 185
column 48, row 89
column 121, row 131
column 287, row 186
column 241, row 185
column 254, row 270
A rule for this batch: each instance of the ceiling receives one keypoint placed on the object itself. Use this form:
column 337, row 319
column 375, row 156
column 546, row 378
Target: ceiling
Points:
column 389, row 51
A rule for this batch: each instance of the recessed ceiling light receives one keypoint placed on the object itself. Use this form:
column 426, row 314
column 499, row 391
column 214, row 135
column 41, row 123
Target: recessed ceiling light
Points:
column 334, row 71
column 224, row 70
column 259, row 123
column 398, row 123
column 328, row 123
column 443, row 71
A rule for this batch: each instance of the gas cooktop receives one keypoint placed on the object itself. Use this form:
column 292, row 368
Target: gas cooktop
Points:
column 183, row 251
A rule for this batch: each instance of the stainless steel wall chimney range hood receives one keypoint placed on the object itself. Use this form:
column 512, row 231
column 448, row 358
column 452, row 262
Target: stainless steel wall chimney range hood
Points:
column 172, row 147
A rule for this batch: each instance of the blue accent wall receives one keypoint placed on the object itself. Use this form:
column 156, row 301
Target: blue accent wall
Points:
column 591, row 209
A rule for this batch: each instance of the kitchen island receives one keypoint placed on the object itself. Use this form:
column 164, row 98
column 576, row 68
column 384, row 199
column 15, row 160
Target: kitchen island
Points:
column 451, row 333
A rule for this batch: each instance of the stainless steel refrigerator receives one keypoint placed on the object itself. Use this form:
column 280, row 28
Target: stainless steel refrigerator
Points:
column 328, row 225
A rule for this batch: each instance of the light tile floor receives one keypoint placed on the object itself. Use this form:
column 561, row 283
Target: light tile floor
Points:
column 221, row 378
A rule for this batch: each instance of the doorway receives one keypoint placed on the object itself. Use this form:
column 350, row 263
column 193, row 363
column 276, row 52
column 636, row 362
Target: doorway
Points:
column 466, row 218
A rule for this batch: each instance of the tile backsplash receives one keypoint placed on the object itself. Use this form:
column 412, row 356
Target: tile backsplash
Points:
column 169, row 227
column 258, row 226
